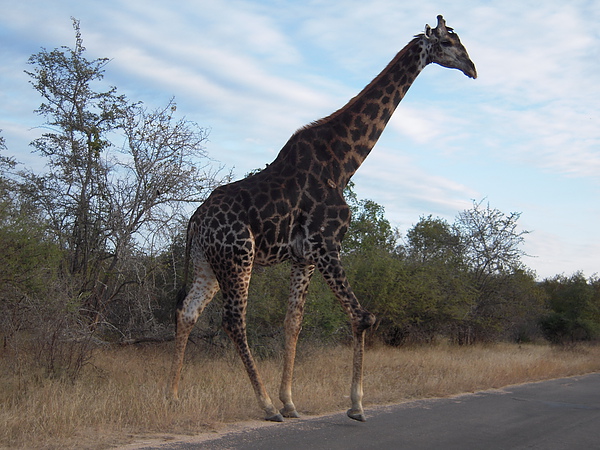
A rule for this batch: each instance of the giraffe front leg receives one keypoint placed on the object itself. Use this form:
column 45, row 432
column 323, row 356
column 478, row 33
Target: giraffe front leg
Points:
column 356, row 390
column 361, row 320
column 300, row 279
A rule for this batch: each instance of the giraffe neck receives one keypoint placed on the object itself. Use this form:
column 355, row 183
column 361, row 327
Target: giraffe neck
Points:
column 343, row 140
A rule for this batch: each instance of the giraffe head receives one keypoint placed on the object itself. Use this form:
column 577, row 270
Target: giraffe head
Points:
column 444, row 48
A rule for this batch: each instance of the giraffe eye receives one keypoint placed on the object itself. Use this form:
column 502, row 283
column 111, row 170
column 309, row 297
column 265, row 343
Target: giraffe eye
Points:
column 446, row 43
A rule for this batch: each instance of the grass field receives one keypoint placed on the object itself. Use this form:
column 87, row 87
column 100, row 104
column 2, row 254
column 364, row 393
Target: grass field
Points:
column 120, row 396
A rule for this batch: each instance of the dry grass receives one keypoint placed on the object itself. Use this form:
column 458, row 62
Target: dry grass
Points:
column 121, row 397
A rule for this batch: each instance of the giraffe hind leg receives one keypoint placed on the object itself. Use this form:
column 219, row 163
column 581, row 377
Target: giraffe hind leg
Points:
column 189, row 307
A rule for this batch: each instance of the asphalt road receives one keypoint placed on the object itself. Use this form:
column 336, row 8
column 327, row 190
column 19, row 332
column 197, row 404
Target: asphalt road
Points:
column 556, row 414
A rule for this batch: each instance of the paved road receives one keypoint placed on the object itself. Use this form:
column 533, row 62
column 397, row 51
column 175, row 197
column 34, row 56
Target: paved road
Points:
column 556, row 414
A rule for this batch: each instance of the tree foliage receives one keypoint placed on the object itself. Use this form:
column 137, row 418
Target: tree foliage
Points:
column 433, row 240
column 574, row 309
column 369, row 229
column 462, row 280
column 106, row 202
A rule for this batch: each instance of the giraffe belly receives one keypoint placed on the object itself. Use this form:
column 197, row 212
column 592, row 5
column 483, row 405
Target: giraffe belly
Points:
column 271, row 256
column 272, row 246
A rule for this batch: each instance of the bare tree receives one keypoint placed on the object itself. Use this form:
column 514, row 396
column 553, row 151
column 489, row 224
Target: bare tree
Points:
column 491, row 247
column 108, row 202
column 490, row 239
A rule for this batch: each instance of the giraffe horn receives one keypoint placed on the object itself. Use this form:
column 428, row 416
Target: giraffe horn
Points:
column 441, row 25
column 441, row 22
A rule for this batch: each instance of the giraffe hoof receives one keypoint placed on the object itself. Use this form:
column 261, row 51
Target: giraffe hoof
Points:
column 292, row 414
column 360, row 416
column 275, row 418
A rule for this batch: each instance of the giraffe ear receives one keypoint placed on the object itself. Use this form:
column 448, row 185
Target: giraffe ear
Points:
column 428, row 31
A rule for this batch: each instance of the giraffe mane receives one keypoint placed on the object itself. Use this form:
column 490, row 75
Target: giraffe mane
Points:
column 348, row 105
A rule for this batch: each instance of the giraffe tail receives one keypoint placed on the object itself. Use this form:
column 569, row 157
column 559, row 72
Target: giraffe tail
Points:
column 182, row 293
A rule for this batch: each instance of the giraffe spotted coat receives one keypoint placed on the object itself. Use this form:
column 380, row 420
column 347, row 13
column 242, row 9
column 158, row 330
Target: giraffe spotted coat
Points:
column 294, row 210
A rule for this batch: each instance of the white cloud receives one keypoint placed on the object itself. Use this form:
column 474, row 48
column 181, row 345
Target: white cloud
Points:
column 430, row 125
column 537, row 70
column 397, row 181
column 553, row 254
column 254, row 71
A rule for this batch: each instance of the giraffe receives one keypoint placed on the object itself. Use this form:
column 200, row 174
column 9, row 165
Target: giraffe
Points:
column 294, row 210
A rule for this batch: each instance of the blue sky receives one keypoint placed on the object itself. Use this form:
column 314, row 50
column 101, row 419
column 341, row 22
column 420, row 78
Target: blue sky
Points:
column 525, row 135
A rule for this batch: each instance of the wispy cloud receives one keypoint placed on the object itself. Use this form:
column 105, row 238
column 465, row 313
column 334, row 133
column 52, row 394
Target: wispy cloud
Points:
column 255, row 71
column 538, row 71
column 409, row 190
